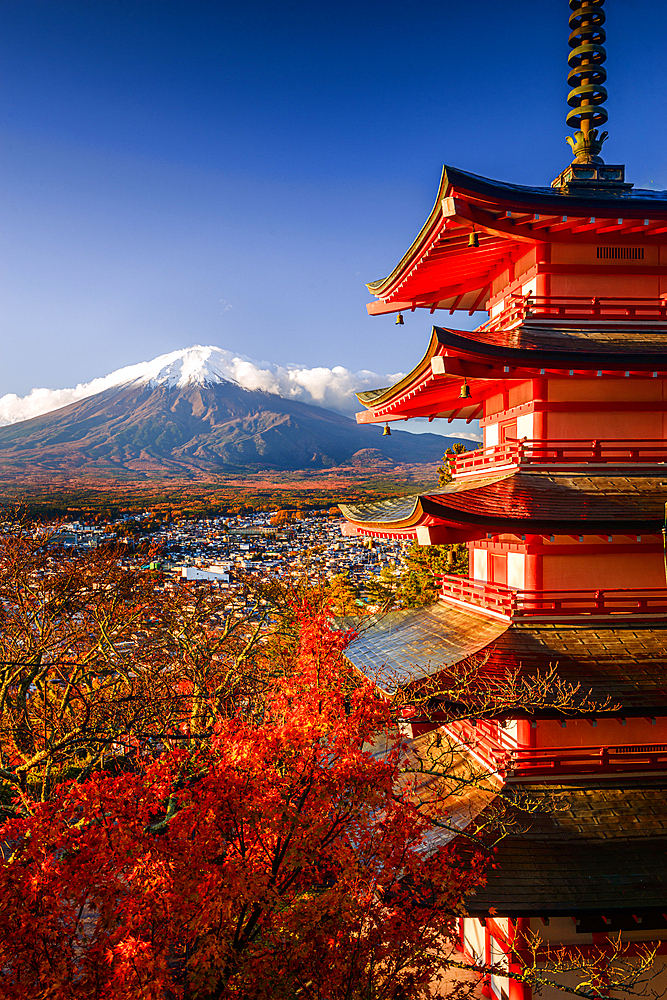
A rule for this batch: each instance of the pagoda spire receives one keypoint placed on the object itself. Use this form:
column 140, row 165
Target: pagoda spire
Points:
column 586, row 78
column 586, row 99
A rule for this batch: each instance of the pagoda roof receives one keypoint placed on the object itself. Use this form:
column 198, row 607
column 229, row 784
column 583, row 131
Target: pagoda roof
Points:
column 521, row 502
column 590, row 851
column 440, row 270
column 625, row 662
column 489, row 357
column 410, row 644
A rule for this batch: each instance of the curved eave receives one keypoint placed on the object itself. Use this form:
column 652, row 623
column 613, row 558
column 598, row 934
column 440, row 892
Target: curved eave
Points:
column 409, row 519
column 465, row 201
column 407, row 645
column 457, row 526
column 378, row 397
column 433, row 389
column 516, row 503
column 398, row 401
column 422, row 239
column 429, row 639
column 393, row 519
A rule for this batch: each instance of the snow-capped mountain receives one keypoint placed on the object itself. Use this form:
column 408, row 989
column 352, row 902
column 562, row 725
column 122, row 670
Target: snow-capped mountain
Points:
column 185, row 411
column 197, row 365
column 192, row 366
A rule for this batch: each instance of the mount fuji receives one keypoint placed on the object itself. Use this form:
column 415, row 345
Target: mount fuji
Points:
column 182, row 413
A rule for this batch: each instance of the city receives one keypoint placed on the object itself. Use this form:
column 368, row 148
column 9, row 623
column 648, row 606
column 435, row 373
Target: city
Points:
column 225, row 550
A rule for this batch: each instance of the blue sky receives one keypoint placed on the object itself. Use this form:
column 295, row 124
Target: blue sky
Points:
column 232, row 174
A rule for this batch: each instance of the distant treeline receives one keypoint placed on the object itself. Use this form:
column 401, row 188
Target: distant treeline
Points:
column 101, row 500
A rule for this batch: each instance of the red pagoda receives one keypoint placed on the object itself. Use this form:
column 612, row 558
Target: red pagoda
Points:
column 563, row 514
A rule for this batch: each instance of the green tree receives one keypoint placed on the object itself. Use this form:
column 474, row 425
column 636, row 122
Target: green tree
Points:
column 418, row 583
column 445, row 470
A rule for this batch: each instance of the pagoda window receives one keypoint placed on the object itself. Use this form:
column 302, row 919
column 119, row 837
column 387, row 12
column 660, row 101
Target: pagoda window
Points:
column 516, row 570
column 525, row 426
column 473, row 939
column 480, row 564
column 620, row 253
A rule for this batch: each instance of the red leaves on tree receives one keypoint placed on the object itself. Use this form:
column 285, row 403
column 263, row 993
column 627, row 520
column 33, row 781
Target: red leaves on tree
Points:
column 272, row 859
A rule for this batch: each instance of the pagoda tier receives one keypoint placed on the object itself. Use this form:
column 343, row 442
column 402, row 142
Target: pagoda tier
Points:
column 590, row 866
column 555, row 373
column 530, row 239
column 612, row 657
column 600, row 871
column 521, row 503
column 536, row 530
column 618, row 664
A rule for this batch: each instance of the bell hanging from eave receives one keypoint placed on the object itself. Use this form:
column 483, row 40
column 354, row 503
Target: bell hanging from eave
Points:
column 473, row 239
column 386, row 432
column 399, row 319
column 465, row 390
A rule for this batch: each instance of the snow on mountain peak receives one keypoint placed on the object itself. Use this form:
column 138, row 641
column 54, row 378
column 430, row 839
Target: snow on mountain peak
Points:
column 192, row 366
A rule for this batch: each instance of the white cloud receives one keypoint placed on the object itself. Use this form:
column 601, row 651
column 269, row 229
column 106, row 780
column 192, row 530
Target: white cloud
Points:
column 333, row 388
column 14, row 408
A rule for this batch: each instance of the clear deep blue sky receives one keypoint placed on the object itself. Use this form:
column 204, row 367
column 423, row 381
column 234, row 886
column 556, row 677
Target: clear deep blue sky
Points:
column 195, row 171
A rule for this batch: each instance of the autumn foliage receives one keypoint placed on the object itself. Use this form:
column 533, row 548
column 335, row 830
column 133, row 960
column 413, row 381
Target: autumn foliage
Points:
column 252, row 846
column 202, row 801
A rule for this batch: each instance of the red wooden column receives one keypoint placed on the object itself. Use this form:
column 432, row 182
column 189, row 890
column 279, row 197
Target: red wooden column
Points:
column 533, row 574
column 525, row 734
column 541, row 395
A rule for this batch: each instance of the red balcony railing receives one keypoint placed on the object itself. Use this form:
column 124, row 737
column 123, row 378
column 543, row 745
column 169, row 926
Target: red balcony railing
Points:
column 492, row 597
column 510, row 604
column 560, row 451
column 576, row 308
column 528, row 764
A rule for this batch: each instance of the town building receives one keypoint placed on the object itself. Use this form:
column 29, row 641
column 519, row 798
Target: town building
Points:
column 563, row 513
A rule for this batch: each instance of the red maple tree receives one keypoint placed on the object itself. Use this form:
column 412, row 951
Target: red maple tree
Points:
column 269, row 858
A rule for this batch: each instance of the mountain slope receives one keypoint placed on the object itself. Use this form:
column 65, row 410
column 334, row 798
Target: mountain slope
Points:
column 186, row 420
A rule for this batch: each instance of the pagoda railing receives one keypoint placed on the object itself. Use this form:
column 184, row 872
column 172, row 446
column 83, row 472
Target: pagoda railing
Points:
column 544, row 762
column 576, row 308
column 526, row 764
column 540, row 763
column 511, row 604
column 491, row 597
column 560, row 451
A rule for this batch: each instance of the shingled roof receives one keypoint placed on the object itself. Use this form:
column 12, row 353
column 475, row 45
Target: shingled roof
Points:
column 586, row 343
column 589, row 850
column 529, row 501
column 626, row 662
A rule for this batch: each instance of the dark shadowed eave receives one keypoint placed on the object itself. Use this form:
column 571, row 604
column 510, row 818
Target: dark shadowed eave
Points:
column 594, row 852
column 622, row 661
